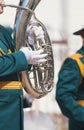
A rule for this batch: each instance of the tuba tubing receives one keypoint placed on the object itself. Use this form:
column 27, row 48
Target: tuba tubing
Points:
column 39, row 80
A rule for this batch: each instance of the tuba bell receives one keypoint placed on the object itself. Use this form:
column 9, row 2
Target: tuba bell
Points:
column 39, row 80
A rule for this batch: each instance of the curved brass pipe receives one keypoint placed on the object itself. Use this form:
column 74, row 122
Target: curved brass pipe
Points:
column 17, row 6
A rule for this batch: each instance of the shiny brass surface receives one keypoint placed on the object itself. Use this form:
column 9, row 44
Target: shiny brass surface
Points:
column 39, row 81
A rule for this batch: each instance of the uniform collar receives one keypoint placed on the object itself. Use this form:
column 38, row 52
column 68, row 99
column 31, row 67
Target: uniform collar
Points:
column 81, row 50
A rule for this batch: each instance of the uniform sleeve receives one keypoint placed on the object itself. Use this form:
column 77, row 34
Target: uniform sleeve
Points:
column 67, row 87
column 13, row 63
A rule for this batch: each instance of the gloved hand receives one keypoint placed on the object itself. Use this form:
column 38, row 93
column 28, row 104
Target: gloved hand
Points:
column 34, row 57
column 35, row 31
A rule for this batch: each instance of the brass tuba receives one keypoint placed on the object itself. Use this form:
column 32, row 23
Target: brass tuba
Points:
column 38, row 81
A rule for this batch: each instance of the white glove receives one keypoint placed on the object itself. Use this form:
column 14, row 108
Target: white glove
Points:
column 35, row 32
column 34, row 57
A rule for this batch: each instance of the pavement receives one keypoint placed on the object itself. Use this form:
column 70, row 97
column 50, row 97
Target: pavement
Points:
column 36, row 120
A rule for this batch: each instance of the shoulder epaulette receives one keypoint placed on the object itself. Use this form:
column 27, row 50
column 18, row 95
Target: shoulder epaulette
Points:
column 77, row 57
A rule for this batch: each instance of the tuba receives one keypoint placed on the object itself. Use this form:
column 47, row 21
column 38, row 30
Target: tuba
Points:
column 39, row 80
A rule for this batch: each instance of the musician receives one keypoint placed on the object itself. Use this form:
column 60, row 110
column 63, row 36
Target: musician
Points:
column 11, row 64
column 70, row 87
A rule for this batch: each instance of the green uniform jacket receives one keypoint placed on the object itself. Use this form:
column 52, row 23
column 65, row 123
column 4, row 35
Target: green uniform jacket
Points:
column 11, row 100
column 70, row 88
column 10, row 63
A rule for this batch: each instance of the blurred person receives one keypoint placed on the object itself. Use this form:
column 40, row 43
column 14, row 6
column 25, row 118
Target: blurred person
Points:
column 11, row 64
column 70, row 87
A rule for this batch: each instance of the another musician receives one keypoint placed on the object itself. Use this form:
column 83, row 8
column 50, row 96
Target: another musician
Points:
column 70, row 87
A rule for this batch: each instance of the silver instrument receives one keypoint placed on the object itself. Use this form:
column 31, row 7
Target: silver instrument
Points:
column 39, row 80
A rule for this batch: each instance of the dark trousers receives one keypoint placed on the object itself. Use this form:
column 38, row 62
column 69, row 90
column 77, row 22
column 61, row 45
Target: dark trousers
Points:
column 11, row 109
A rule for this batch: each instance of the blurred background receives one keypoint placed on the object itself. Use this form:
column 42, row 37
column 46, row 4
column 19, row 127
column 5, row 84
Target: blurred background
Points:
column 61, row 18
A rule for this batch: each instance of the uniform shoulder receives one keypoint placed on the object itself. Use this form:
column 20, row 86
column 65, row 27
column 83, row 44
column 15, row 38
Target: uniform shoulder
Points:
column 76, row 56
column 4, row 29
column 77, row 59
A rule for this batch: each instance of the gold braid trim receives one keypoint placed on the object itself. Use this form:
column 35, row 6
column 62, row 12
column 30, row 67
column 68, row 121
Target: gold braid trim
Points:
column 80, row 64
